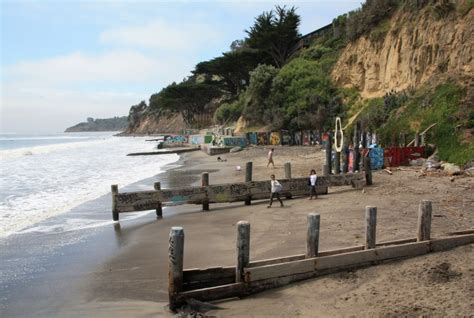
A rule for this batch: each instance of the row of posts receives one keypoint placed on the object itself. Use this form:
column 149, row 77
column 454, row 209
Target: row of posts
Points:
column 327, row 167
column 176, row 243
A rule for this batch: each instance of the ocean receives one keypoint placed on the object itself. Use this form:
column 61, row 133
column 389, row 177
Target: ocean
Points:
column 43, row 176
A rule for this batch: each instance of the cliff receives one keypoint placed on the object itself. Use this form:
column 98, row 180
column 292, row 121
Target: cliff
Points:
column 107, row 124
column 146, row 124
column 407, row 51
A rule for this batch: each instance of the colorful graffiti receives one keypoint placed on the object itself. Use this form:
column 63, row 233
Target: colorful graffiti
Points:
column 176, row 139
column 262, row 138
column 275, row 138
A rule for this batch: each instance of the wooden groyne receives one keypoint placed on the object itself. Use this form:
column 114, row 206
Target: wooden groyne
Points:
column 165, row 151
column 228, row 192
column 248, row 277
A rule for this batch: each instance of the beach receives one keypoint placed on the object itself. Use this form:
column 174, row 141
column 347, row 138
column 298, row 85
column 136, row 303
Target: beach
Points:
column 122, row 270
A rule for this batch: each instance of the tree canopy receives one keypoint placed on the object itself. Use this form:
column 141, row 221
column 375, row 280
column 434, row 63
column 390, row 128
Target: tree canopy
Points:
column 187, row 98
column 275, row 32
column 231, row 70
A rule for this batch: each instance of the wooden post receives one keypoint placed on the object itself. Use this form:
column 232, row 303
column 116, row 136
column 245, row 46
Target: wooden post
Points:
column 403, row 140
column 175, row 267
column 356, row 147
column 205, row 183
column 288, row 175
column 325, row 170
column 345, row 165
column 424, row 221
column 159, row 209
column 423, row 141
column 287, row 170
column 115, row 214
column 329, row 153
column 417, row 139
column 364, row 139
column 243, row 249
column 337, row 164
column 248, row 178
column 370, row 226
column 368, row 170
column 312, row 237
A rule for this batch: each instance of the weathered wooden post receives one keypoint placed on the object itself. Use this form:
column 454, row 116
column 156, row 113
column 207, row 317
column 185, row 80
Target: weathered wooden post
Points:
column 325, row 170
column 243, row 249
column 312, row 237
column 337, row 163
column 370, row 226
column 287, row 170
column 417, row 139
column 345, row 165
column 424, row 221
column 329, row 153
column 403, row 140
column 423, row 141
column 248, row 178
column 175, row 265
column 115, row 214
column 159, row 209
column 205, row 183
column 364, row 139
column 356, row 147
column 288, row 175
column 368, row 170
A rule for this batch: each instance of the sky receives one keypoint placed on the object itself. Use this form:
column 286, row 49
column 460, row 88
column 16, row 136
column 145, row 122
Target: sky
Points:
column 63, row 61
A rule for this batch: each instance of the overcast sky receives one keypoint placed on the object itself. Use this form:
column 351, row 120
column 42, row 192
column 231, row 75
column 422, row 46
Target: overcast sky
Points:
column 63, row 61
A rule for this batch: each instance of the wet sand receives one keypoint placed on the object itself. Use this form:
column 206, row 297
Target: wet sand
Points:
column 132, row 280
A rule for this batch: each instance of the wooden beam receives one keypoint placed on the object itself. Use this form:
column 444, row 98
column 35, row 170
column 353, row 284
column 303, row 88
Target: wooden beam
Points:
column 219, row 193
column 213, row 293
column 248, row 178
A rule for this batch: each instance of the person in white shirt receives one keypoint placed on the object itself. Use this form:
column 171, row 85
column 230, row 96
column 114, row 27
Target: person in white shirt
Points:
column 270, row 158
column 312, row 184
column 276, row 189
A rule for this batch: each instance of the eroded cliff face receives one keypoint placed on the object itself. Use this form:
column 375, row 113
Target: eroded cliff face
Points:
column 148, row 124
column 416, row 49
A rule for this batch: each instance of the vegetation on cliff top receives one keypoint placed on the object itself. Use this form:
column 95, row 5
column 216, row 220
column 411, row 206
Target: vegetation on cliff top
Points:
column 107, row 124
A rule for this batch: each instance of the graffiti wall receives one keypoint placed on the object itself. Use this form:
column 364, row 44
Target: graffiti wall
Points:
column 234, row 141
column 176, row 139
column 275, row 138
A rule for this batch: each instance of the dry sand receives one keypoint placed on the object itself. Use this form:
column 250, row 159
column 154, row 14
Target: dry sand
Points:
column 135, row 282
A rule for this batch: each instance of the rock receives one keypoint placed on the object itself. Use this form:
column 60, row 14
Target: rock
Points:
column 469, row 171
column 451, row 169
column 432, row 163
column 236, row 149
column 469, row 165
column 417, row 162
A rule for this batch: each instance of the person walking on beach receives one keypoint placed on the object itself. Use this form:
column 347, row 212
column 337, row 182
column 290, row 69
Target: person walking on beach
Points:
column 276, row 189
column 270, row 158
column 312, row 184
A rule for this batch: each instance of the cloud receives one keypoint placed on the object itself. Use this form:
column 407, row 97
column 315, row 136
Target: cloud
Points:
column 52, row 110
column 111, row 67
column 163, row 35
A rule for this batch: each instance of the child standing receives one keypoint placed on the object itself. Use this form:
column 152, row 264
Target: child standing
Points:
column 312, row 184
column 276, row 189
column 270, row 158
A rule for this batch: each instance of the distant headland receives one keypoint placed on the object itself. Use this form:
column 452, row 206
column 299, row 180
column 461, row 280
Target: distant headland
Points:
column 107, row 124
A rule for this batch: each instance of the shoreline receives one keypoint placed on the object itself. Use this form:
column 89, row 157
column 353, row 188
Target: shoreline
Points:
column 131, row 279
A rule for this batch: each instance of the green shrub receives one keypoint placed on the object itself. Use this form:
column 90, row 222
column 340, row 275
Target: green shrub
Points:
column 228, row 112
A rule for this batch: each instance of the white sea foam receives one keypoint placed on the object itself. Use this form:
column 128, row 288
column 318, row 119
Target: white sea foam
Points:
column 58, row 177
